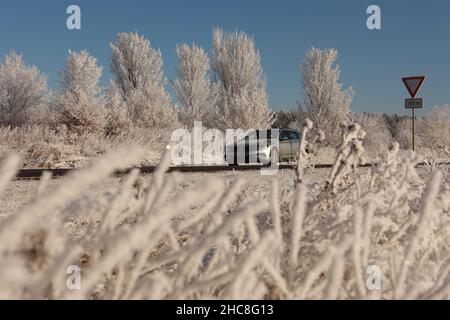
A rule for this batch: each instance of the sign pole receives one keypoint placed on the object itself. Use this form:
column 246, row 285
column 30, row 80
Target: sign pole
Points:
column 413, row 85
column 413, row 127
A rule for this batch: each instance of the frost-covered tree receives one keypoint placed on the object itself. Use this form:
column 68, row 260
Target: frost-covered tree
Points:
column 236, row 63
column 324, row 101
column 286, row 119
column 79, row 103
column 117, row 118
column 436, row 128
column 23, row 91
column 392, row 121
column 139, row 77
column 193, row 86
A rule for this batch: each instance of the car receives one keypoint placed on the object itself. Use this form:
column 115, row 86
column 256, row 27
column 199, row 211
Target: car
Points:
column 259, row 147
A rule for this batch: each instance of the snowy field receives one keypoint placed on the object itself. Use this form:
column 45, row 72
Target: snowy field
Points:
column 20, row 192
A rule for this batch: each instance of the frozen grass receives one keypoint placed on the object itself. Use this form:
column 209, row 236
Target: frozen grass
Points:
column 154, row 238
column 45, row 147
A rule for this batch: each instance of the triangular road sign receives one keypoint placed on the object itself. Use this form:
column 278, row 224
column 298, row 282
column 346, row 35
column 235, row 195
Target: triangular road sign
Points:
column 413, row 84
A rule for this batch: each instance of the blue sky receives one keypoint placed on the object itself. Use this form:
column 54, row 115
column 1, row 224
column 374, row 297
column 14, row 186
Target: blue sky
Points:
column 414, row 40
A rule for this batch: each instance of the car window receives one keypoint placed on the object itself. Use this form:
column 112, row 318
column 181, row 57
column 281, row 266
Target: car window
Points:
column 293, row 135
column 284, row 135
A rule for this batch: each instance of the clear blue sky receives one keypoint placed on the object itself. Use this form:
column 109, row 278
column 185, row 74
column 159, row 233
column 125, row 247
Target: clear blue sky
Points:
column 414, row 40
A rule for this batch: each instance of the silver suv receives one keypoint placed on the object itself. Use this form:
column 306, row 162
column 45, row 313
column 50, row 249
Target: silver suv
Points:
column 260, row 147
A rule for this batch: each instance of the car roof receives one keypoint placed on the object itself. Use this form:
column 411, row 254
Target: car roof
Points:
column 288, row 129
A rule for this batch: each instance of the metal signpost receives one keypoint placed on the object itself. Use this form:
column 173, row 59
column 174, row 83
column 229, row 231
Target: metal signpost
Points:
column 413, row 85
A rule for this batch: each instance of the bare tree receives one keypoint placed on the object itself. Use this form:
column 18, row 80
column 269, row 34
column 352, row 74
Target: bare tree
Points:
column 79, row 103
column 195, row 90
column 138, row 71
column 23, row 91
column 236, row 62
column 324, row 101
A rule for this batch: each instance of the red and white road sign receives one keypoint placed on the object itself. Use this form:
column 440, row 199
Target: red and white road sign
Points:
column 413, row 84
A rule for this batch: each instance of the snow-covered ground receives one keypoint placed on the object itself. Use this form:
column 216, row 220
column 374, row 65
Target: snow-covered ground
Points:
column 19, row 192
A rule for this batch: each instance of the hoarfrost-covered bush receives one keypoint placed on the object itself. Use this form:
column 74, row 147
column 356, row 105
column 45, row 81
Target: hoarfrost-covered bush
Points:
column 50, row 147
column 378, row 138
column 40, row 146
column 153, row 238
column 79, row 104
column 23, row 92
column 431, row 135
column 403, row 133
column 436, row 127
column 196, row 91
column 57, row 147
column 77, row 112
column 324, row 100
column 243, row 97
column 138, row 72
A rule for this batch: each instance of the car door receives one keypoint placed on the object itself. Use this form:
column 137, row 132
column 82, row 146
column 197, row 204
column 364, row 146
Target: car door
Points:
column 294, row 139
column 285, row 145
